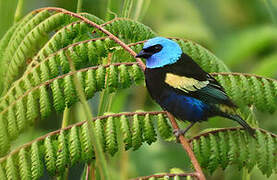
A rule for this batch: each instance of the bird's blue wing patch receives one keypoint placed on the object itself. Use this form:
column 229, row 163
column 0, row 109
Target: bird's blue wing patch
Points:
column 185, row 107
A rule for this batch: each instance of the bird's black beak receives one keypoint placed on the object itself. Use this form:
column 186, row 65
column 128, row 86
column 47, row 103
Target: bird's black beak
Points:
column 144, row 54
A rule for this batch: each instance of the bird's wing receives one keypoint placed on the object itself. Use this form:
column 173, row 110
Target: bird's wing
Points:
column 209, row 90
column 184, row 83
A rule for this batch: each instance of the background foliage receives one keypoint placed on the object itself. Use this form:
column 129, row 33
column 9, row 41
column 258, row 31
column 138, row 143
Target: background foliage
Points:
column 243, row 34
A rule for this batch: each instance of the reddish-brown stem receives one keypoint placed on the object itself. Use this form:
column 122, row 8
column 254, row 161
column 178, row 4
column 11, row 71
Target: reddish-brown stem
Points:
column 88, row 171
column 187, row 147
column 164, row 175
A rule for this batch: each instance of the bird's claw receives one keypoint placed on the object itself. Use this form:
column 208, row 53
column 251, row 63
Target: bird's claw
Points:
column 177, row 133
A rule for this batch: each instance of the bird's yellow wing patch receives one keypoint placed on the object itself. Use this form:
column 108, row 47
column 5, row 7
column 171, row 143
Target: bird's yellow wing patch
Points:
column 184, row 83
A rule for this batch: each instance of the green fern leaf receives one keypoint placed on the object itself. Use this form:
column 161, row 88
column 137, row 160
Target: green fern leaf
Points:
column 124, row 77
column 2, row 173
column 32, row 107
column 112, row 78
column 100, row 77
column 12, row 125
column 126, row 131
column 69, row 91
column 62, row 153
column 50, row 155
column 21, row 115
column 136, row 132
column 99, row 129
column 24, row 164
column 4, row 139
column 214, row 149
column 44, row 101
column 270, row 149
column 58, row 96
column 164, row 128
column 11, row 168
column 86, row 143
column 252, row 150
column 262, row 152
column 243, row 150
column 74, row 145
column 37, row 167
column 110, row 136
column 148, row 130
column 90, row 83
column 224, row 147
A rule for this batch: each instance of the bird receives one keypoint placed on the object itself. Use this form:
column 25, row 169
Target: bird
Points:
column 180, row 86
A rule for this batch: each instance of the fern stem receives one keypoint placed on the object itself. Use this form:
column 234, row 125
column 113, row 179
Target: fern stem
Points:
column 79, row 6
column 166, row 175
column 187, row 147
column 66, row 116
column 18, row 11
column 127, row 7
column 104, row 103
column 245, row 174
column 108, row 10
column 138, row 9
column 272, row 11
column 100, row 158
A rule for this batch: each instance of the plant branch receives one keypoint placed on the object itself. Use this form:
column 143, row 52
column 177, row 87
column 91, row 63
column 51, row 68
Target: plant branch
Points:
column 187, row 147
column 165, row 175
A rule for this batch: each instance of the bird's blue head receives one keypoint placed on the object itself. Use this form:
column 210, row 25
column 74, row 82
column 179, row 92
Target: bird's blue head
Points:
column 159, row 52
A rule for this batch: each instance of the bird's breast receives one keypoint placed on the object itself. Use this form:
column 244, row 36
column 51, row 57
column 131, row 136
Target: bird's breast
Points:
column 154, row 79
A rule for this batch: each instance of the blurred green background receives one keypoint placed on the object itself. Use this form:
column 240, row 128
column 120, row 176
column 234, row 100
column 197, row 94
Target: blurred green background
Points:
column 243, row 33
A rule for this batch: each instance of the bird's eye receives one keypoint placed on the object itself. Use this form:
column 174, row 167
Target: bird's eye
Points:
column 157, row 48
column 153, row 49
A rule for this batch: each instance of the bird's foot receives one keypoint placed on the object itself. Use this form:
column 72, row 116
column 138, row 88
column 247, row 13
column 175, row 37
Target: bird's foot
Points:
column 177, row 133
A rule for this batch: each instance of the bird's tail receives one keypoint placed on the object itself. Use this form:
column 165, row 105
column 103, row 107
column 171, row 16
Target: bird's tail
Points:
column 244, row 124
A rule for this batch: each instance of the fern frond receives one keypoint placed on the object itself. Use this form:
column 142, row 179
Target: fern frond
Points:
column 235, row 147
column 50, row 67
column 255, row 90
column 24, row 50
column 62, row 88
column 66, row 147
column 36, row 102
